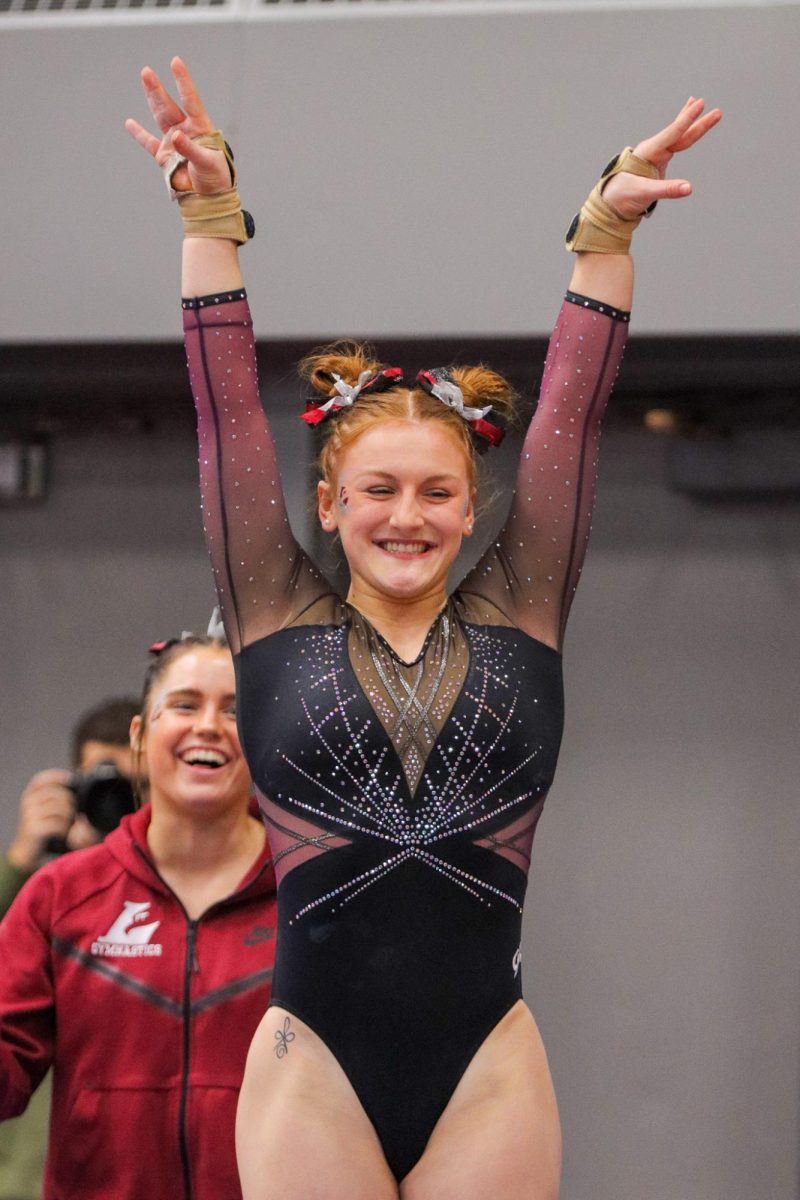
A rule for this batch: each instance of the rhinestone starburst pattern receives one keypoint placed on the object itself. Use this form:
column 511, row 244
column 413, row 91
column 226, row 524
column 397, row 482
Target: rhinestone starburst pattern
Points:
column 342, row 774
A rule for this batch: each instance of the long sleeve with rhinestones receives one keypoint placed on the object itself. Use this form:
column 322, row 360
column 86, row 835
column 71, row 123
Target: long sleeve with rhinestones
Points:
column 262, row 576
column 532, row 569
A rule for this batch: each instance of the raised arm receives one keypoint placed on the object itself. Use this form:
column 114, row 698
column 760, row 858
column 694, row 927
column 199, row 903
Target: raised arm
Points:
column 532, row 569
column 262, row 576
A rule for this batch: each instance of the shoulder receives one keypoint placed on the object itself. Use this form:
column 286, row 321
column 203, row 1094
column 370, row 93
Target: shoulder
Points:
column 68, row 881
column 324, row 614
column 328, row 609
column 475, row 609
column 78, row 865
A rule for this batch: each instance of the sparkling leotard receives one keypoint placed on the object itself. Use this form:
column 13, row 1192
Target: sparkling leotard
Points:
column 401, row 798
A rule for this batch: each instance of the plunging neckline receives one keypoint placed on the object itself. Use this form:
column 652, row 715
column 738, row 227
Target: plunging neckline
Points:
column 397, row 744
column 384, row 641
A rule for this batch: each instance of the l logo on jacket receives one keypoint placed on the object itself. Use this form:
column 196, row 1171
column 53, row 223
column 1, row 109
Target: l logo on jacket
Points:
column 128, row 937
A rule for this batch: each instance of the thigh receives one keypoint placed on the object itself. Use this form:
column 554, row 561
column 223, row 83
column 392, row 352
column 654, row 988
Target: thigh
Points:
column 301, row 1133
column 500, row 1134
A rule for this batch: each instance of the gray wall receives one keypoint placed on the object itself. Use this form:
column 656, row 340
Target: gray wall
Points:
column 663, row 937
column 415, row 174
column 409, row 171
column 661, row 943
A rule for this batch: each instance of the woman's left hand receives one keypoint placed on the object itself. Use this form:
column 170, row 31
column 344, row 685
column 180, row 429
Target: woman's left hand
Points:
column 629, row 195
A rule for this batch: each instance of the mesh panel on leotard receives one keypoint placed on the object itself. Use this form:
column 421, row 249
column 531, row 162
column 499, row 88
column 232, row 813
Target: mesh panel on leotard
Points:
column 532, row 569
column 262, row 576
column 412, row 700
column 293, row 839
column 515, row 840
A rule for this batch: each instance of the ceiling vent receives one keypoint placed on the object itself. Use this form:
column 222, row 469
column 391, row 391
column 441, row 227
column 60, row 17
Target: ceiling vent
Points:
column 237, row 8
column 68, row 7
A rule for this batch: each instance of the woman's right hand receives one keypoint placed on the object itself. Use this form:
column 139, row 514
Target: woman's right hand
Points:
column 46, row 810
column 206, row 171
column 630, row 195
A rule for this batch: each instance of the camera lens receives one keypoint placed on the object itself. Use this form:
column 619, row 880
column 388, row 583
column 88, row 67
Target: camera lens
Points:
column 105, row 796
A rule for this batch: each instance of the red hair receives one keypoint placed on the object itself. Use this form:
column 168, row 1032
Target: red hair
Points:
column 479, row 385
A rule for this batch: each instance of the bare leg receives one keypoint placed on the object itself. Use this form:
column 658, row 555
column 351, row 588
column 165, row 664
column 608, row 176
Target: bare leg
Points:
column 500, row 1133
column 301, row 1133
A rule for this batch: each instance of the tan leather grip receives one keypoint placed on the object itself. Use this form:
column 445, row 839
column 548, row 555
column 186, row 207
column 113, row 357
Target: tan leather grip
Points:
column 598, row 227
column 216, row 216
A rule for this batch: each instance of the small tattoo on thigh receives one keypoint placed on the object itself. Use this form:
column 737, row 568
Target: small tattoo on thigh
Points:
column 282, row 1039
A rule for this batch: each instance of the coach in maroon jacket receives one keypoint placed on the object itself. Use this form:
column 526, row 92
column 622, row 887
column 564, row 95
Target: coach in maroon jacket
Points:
column 140, row 967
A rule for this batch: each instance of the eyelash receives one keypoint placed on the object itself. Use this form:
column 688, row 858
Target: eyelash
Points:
column 187, row 705
column 383, row 490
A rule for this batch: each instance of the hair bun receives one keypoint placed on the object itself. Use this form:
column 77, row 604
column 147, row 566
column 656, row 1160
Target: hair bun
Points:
column 481, row 386
column 347, row 359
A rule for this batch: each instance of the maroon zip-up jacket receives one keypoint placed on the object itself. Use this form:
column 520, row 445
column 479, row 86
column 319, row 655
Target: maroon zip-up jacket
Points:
column 145, row 1015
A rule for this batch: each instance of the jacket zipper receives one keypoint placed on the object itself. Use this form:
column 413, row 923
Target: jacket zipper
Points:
column 189, row 965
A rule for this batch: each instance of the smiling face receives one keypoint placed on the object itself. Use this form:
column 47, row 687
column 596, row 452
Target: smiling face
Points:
column 402, row 500
column 189, row 742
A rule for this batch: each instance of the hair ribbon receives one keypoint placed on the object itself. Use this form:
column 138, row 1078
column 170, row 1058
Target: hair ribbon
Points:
column 439, row 382
column 347, row 394
column 215, row 629
column 157, row 648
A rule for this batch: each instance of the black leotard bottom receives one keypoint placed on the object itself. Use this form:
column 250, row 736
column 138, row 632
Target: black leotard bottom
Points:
column 399, row 927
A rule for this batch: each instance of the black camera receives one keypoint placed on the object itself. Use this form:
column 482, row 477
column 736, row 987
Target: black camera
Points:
column 104, row 795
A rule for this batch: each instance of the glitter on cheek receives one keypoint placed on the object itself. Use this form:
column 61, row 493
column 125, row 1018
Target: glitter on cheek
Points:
column 158, row 707
column 343, row 499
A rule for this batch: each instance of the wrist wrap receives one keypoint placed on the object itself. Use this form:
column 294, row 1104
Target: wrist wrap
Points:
column 216, row 215
column 598, row 227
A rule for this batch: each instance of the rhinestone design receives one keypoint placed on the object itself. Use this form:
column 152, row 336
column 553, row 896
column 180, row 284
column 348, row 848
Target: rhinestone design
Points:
column 340, row 771
column 412, row 714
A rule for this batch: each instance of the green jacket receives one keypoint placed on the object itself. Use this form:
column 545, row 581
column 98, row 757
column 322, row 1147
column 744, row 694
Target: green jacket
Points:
column 11, row 880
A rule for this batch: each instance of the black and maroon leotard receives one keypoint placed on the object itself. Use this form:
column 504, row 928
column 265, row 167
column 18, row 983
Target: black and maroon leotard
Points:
column 401, row 798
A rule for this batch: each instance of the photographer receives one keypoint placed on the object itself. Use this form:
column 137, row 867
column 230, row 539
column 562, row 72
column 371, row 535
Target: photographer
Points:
column 56, row 811
column 67, row 810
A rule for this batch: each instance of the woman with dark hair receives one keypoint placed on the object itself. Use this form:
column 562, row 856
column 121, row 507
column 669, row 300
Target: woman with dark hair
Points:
column 402, row 739
column 140, row 968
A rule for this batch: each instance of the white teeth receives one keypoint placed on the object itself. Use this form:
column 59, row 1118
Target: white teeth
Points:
column 211, row 758
column 406, row 547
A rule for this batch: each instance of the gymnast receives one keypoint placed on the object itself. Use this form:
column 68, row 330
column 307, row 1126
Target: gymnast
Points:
column 402, row 740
